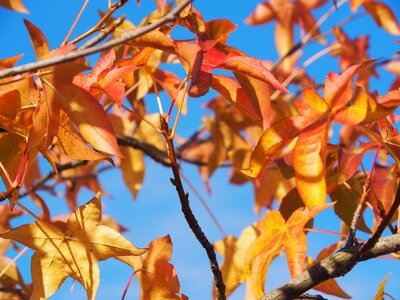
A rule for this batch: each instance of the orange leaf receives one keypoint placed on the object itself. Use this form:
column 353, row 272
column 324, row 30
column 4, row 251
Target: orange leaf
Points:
column 309, row 157
column 219, row 30
column 10, row 61
column 16, row 5
column 236, row 94
column 277, row 234
column 383, row 16
column 337, row 90
column 105, row 78
column 40, row 44
column 265, row 12
column 265, row 248
column 350, row 160
column 157, row 277
column 295, row 238
column 364, row 109
column 272, row 141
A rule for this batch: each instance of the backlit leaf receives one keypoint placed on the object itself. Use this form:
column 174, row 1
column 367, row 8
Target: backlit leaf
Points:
column 72, row 250
column 383, row 16
column 16, row 5
column 381, row 291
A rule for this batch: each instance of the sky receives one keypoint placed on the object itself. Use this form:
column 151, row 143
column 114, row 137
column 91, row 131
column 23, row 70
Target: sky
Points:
column 156, row 212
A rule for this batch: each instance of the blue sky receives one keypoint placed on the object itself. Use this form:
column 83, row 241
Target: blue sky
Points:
column 156, row 212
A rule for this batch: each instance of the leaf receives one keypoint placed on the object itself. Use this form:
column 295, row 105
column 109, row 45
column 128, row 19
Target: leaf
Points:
column 14, row 116
column 270, row 185
column 354, row 4
column 391, row 138
column 60, row 94
column 276, row 234
column 271, row 143
column 10, row 61
column 12, row 276
column 350, row 160
column 105, row 78
column 161, row 4
column 16, row 5
column 263, row 250
column 90, row 118
column 337, row 90
column 72, row 143
column 236, row 94
column 11, row 151
column 383, row 16
column 383, row 189
column 381, row 291
column 347, row 201
column 234, row 252
column 364, row 109
column 309, row 157
column 219, row 30
column 157, row 277
column 71, row 250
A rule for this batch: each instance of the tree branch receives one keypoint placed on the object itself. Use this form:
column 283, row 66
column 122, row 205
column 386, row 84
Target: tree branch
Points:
column 171, row 16
column 335, row 265
column 189, row 216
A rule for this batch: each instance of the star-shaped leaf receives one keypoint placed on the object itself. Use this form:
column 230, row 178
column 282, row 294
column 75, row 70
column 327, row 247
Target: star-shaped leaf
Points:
column 71, row 249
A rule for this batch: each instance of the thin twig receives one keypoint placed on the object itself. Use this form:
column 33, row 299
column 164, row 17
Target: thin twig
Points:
column 103, row 33
column 305, row 40
column 75, row 22
column 189, row 216
column 172, row 15
column 51, row 174
column 357, row 214
column 113, row 7
column 382, row 226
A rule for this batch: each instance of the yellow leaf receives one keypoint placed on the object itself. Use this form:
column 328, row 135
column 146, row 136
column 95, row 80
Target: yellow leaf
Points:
column 234, row 251
column 381, row 291
column 73, row 249
column 16, row 5
column 309, row 157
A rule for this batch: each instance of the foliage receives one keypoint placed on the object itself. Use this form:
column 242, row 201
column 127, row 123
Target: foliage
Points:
column 270, row 123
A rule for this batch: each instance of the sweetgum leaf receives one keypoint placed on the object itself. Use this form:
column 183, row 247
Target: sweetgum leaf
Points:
column 71, row 250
